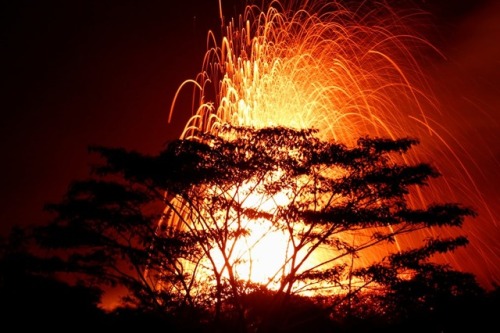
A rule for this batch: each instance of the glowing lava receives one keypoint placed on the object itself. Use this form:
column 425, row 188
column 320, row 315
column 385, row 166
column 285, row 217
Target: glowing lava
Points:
column 347, row 72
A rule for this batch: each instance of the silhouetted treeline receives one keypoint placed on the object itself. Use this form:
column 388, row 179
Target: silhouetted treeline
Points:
column 148, row 223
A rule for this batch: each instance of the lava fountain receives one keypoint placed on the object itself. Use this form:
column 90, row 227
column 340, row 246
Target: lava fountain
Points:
column 348, row 72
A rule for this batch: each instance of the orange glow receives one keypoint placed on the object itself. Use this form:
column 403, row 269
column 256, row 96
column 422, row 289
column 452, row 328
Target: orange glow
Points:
column 348, row 74
column 259, row 255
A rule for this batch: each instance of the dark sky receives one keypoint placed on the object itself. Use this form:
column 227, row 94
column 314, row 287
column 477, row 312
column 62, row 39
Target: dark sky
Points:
column 88, row 72
column 76, row 73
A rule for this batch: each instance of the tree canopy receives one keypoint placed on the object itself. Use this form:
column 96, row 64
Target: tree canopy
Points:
column 180, row 229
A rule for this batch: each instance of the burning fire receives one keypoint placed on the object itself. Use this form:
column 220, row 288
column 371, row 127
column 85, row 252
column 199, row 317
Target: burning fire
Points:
column 346, row 72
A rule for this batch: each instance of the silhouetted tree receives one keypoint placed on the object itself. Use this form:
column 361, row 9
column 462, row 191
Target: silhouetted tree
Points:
column 106, row 230
column 167, row 227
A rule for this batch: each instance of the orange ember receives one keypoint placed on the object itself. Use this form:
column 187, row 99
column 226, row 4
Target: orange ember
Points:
column 348, row 73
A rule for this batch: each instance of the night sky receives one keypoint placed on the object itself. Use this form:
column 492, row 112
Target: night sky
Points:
column 76, row 73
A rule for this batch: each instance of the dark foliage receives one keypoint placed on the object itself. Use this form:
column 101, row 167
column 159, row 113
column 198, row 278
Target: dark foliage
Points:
column 147, row 223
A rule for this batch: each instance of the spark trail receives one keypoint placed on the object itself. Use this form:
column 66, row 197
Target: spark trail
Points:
column 348, row 72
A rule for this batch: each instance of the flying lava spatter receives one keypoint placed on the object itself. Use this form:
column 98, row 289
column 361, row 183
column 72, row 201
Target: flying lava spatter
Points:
column 348, row 72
